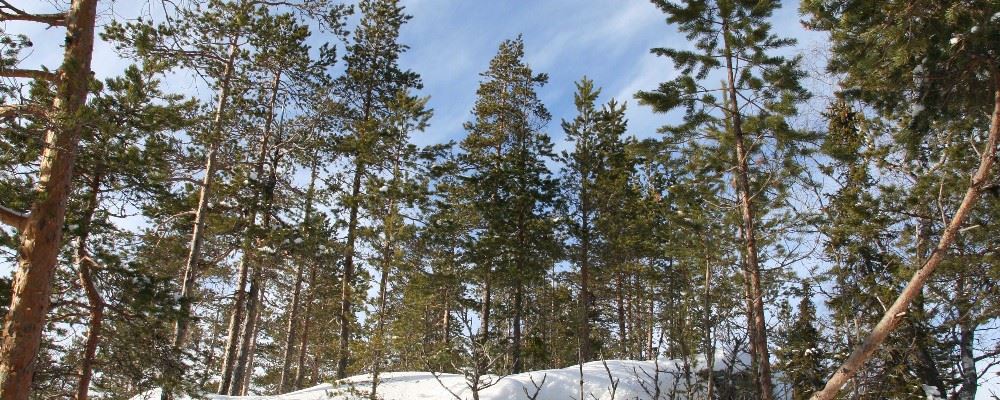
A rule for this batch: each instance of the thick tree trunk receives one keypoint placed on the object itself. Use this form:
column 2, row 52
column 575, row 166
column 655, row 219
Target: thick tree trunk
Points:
column 749, row 230
column 95, row 302
column 898, row 310
column 41, row 230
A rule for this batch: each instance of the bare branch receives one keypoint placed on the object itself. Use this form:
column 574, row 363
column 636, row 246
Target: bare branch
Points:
column 28, row 73
column 13, row 218
column 18, row 110
column 10, row 13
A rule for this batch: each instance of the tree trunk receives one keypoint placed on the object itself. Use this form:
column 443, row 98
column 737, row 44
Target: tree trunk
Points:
column 586, row 350
column 235, row 320
column 345, row 315
column 286, row 359
column 518, row 364
column 966, row 340
column 306, row 318
column 707, row 322
column 898, row 310
column 41, row 231
column 236, row 386
column 248, row 370
column 749, row 229
column 95, row 302
column 620, row 308
column 198, row 233
column 249, row 242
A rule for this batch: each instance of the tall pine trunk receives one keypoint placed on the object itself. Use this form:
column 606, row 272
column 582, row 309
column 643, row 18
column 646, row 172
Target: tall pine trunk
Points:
column 346, row 289
column 759, row 337
column 198, row 233
column 41, row 230
column 306, row 319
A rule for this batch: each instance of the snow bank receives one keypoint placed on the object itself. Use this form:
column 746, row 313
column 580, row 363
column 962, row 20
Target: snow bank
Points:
column 635, row 381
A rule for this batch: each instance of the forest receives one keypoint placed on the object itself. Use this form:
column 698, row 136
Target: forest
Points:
column 279, row 228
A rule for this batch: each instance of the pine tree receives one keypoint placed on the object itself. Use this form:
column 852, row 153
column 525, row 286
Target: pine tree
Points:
column 41, row 228
column 372, row 81
column 930, row 76
column 760, row 91
column 511, row 186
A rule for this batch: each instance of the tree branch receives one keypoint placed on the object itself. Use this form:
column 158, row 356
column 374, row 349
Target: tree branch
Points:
column 13, row 218
column 10, row 13
column 29, row 73
column 17, row 110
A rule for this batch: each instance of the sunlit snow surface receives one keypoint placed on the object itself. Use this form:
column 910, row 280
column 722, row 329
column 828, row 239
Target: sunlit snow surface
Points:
column 635, row 381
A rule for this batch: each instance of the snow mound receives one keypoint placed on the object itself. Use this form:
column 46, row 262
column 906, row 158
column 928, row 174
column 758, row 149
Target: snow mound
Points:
column 634, row 380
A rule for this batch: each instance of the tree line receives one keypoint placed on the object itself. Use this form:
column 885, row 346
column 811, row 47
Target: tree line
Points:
column 284, row 230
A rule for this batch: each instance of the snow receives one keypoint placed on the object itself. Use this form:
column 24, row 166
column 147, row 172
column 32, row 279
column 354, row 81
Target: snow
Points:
column 932, row 392
column 955, row 40
column 635, row 381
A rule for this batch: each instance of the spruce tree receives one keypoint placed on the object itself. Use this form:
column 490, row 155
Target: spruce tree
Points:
column 802, row 355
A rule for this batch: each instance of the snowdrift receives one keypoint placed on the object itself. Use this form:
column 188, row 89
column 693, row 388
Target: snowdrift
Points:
column 635, row 380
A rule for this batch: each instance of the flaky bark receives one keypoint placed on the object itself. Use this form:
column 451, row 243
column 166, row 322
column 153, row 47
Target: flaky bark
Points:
column 898, row 310
column 41, row 233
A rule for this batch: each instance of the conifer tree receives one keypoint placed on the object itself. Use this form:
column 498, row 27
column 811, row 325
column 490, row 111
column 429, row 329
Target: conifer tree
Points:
column 371, row 82
column 937, row 74
column 505, row 152
column 40, row 229
column 801, row 356
column 734, row 38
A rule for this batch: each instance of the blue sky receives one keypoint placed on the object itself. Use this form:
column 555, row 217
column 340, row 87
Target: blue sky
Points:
column 452, row 41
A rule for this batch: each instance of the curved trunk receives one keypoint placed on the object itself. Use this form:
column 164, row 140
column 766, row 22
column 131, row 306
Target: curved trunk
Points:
column 96, row 303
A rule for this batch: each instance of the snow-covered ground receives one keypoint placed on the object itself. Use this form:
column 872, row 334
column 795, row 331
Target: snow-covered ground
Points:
column 635, row 380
